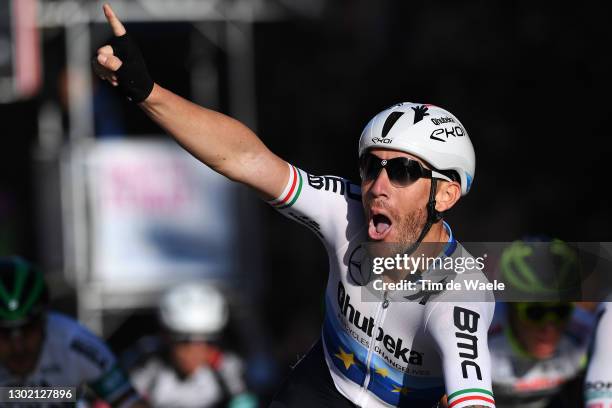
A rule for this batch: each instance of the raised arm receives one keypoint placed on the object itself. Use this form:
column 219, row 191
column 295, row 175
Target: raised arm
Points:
column 222, row 143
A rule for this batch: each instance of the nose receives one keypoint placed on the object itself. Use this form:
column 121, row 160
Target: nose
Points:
column 381, row 185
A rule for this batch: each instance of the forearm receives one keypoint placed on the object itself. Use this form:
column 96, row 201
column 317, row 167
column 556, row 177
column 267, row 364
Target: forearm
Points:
column 217, row 140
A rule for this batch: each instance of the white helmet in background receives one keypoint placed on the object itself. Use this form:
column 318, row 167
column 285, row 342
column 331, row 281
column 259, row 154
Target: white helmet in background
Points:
column 426, row 131
column 196, row 310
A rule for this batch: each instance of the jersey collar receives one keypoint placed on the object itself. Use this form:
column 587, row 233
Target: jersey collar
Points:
column 451, row 244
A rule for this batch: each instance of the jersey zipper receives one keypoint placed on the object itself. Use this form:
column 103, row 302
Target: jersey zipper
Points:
column 378, row 319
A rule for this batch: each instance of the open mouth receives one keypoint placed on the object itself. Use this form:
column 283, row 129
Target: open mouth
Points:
column 380, row 226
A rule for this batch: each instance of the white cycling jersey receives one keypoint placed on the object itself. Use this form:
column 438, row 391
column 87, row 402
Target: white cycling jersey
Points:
column 210, row 386
column 521, row 381
column 72, row 356
column 598, row 385
column 389, row 353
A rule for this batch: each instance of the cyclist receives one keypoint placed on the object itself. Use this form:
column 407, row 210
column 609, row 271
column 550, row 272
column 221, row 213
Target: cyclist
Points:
column 42, row 348
column 598, row 385
column 190, row 369
column 416, row 161
column 538, row 349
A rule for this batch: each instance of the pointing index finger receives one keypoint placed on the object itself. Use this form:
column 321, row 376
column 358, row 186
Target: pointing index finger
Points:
column 118, row 28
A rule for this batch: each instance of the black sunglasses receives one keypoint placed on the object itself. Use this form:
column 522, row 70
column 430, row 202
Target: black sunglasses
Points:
column 558, row 313
column 401, row 171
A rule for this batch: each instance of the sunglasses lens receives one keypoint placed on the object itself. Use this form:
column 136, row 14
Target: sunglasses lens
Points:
column 399, row 174
column 563, row 312
column 403, row 172
column 557, row 314
column 400, row 170
column 369, row 167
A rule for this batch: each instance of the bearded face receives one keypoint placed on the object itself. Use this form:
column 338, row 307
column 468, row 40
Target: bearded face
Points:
column 394, row 214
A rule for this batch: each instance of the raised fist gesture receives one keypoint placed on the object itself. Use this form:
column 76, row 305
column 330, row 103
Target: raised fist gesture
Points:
column 121, row 62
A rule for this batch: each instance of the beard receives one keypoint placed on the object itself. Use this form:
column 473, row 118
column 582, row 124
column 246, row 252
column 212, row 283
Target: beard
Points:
column 410, row 226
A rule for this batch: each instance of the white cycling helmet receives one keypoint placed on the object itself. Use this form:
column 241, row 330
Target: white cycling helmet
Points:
column 426, row 131
column 194, row 310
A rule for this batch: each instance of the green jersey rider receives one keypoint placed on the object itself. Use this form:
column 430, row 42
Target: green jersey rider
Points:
column 42, row 348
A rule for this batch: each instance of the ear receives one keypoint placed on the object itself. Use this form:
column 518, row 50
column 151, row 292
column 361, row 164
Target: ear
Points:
column 448, row 193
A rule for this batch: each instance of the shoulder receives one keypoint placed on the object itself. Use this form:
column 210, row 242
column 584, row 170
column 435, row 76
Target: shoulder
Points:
column 151, row 367
column 330, row 206
column 231, row 369
column 78, row 342
column 580, row 328
column 231, row 362
column 303, row 185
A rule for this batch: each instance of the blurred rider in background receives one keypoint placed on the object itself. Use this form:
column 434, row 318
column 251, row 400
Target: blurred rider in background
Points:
column 190, row 370
column 43, row 348
column 538, row 348
column 598, row 382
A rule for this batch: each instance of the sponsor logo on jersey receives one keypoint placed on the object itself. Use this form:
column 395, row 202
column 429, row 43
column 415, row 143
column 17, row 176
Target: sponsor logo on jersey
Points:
column 599, row 385
column 366, row 324
column 467, row 322
column 311, row 224
column 90, row 352
column 598, row 389
column 336, row 185
column 358, row 266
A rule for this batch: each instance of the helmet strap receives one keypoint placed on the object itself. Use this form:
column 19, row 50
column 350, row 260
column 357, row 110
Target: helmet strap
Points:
column 433, row 216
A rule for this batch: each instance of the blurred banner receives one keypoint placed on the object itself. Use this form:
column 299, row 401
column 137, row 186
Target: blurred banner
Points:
column 157, row 215
column 20, row 71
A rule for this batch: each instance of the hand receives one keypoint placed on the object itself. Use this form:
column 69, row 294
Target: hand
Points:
column 106, row 63
column 121, row 62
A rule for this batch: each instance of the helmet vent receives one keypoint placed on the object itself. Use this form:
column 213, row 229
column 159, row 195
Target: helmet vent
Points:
column 391, row 119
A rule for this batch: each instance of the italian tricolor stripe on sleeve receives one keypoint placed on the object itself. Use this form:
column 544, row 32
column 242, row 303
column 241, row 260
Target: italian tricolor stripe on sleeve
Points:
column 471, row 396
column 292, row 190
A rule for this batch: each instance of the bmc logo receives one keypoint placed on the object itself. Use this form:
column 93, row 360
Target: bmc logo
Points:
column 467, row 322
column 336, row 185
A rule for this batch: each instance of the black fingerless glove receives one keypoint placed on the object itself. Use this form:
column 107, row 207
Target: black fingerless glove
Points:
column 134, row 79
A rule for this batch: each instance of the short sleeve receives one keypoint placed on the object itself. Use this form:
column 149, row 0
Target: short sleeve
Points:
column 98, row 368
column 459, row 331
column 321, row 203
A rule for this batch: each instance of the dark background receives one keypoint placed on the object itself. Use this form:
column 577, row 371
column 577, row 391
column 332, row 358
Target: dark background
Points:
column 529, row 80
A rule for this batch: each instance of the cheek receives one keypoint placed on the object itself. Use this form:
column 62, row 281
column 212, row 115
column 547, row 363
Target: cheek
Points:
column 181, row 352
column 413, row 197
column 33, row 341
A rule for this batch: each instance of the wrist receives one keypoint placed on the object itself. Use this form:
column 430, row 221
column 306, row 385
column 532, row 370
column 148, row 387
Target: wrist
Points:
column 154, row 98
